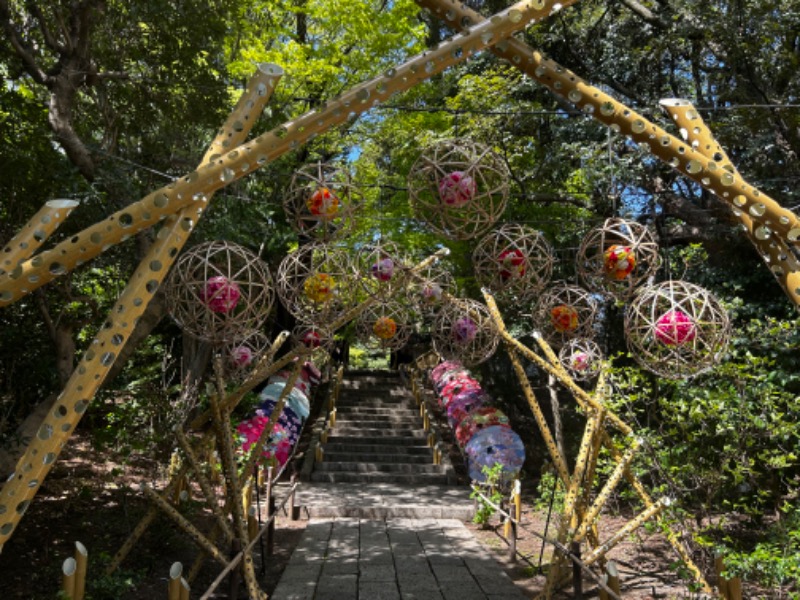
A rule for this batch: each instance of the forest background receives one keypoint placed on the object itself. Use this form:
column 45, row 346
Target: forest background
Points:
column 104, row 101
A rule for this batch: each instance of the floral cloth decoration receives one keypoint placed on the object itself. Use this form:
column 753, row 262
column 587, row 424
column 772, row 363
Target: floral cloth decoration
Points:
column 564, row 318
column 385, row 328
column 512, row 264
column 383, row 270
column 319, row 287
column 619, row 262
column 464, row 330
column 323, row 202
column 221, row 294
column 675, row 328
column 456, row 189
column 241, row 356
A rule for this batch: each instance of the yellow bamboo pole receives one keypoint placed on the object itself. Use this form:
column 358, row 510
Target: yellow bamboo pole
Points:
column 35, row 232
column 56, row 428
column 185, row 589
column 68, row 569
column 184, row 524
column 81, row 564
column 689, row 161
column 174, row 586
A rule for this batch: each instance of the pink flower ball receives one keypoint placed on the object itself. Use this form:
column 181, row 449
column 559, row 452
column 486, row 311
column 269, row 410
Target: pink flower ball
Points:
column 675, row 328
column 312, row 339
column 464, row 330
column 579, row 361
column 383, row 270
column 221, row 294
column 456, row 189
column 242, row 356
column 432, row 293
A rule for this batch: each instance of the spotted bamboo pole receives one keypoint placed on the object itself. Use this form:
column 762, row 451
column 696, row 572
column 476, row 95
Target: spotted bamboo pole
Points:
column 205, row 485
column 184, row 524
column 608, row 488
column 689, row 161
column 40, row 227
column 222, row 424
column 35, row 463
column 774, row 250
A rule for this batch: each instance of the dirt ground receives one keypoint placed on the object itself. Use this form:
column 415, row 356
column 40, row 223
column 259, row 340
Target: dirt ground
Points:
column 92, row 499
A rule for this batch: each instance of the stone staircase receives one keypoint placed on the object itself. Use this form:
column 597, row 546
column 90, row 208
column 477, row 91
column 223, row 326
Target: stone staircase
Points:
column 376, row 462
column 378, row 436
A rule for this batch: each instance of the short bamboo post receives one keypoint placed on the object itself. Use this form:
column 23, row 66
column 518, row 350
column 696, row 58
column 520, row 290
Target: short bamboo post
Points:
column 332, row 418
column 270, row 502
column 735, row 588
column 294, row 511
column 612, row 577
column 68, row 577
column 318, row 454
column 81, row 563
column 184, row 589
column 722, row 582
column 601, row 593
column 174, row 587
column 252, row 523
column 236, row 574
column 577, row 575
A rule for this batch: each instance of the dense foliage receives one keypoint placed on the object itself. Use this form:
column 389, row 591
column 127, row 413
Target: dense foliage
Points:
column 104, row 100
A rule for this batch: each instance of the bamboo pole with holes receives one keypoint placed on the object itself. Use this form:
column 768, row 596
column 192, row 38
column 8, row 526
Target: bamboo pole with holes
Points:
column 687, row 159
column 33, row 234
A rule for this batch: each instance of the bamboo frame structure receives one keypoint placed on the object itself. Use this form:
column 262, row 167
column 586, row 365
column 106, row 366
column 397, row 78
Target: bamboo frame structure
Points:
column 701, row 161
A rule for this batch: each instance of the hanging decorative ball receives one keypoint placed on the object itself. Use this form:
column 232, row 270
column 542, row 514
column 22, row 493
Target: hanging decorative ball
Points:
column 582, row 358
column 321, row 201
column 480, row 418
column 456, row 188
column 616, row 257
column 514, row 261
column 459, row 188
column 495, row 445
column 385, row 328
column 307, row 337
column 241, row 355
column 381, row 265
column 565, row 311
column 676, row 329
column 429, row 286
column 316, row 283
column 384, row 325
column 219, row 292
column 463, row 330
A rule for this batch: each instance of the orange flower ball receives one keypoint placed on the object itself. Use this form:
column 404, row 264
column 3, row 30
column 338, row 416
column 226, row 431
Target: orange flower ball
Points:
column 564, row 318
column 619, row 262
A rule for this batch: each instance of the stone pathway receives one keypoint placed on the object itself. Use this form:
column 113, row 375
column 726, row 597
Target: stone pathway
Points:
column 392, row 559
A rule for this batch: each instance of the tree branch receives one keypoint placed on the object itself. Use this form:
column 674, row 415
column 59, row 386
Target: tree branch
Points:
column 18, row 44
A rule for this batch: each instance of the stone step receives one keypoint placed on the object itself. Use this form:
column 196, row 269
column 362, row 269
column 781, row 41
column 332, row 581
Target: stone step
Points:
column 357, row 448
column 359, row 420
column 370, row 478
column 378, row 411
column 384, row 431
column 389, row 440
column 377, row 467
column 373, row 402
column 379, row 457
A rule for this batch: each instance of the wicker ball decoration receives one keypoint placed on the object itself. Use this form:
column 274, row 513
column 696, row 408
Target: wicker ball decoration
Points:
column 429, row 287
column 459, row 188
column 617, row 256
column 463, row 330
column 317, row 282
column 307, row 337
column 582, row 358
column 514, row 261
column 384, row 325
column 382, row 268
column 676, row 329
column 321, row 201
column 565, row 312
column 241, row 355
column 220, row 292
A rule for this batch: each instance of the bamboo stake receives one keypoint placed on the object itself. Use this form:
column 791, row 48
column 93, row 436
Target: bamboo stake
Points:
column 81, row 564
column 722, row 582
column 184, row 595
column 613, row 577
column 174, row 588
column 40, row 227
column 68, row 577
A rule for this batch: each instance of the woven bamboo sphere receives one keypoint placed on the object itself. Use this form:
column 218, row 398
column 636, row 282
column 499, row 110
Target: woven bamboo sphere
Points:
column 565, row 312
column 464, row 331
column 219, row 292
column 321, row 201
column 317, row 282
column 459, row 188
column 382, row 268
column 308, row 337
column 616, row 257
column 676, row 329
column 385, row 325
column 582, row 358
column 513, row 261
column 240, row 356
column 428, row 289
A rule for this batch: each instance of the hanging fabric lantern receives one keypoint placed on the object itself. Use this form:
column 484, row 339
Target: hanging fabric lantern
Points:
column 385, row 328
column 675, row 328
column 464, row 330
column 564, row 318
column 319, row 287
column 242, row 355
column 323, row 202
column 221, row 294
column 383, row 269
column 619, row 262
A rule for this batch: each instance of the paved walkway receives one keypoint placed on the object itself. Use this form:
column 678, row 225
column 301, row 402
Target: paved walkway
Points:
column 392, row 559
